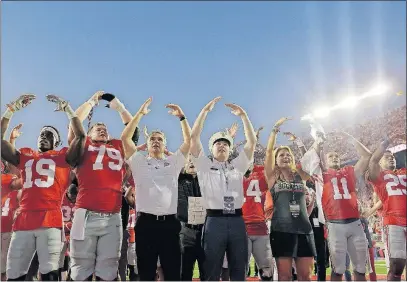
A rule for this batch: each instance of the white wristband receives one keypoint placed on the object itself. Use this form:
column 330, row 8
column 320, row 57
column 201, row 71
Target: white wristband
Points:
column 8, row 114
column 120, row 107
column 91, row 102
column 70, row 112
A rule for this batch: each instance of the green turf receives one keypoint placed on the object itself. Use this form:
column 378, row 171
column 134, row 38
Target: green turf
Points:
column 379, row 264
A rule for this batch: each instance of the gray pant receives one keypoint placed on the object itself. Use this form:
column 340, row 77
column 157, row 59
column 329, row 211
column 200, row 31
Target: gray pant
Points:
column 220, row 235
column 123, row 256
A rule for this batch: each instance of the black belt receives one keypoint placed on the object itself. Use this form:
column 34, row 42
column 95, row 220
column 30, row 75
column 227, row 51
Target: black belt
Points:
column 157, row 217
column 219, row 213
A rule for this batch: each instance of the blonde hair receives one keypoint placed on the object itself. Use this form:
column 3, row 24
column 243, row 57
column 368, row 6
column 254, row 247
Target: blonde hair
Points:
column 278, row 149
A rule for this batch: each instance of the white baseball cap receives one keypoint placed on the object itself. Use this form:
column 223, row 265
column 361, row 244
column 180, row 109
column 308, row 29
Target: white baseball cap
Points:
column 219, row 136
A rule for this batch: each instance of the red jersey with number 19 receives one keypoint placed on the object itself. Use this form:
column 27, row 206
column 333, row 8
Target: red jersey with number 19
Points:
column 390, row 186
column 339, row 199
column 100, row 177
column 255, row 189
column 45, row 179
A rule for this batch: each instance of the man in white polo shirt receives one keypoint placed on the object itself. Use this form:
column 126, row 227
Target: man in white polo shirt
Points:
column 156, row 178
column 221, row 183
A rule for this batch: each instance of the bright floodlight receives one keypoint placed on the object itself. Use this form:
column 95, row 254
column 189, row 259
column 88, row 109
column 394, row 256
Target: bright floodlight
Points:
column 321, row 112
column 379, row 90
column 349, row 102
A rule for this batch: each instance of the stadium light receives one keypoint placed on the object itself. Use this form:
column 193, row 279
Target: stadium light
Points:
column 322, row 112
column 349, row 102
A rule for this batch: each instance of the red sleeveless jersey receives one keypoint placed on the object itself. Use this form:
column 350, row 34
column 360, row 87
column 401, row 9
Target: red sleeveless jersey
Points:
column 45, row 180
column 390, row 186
column 8, row 206
column 255, row 189
column 100, row 177
column 68, row 209
column 339, row 198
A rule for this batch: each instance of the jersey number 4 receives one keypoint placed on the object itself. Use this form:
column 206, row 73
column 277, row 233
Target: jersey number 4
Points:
column 112, row 154
column 49, row 173
column 395, row 180
column 344, row 183
column 254, row 191
column 6, row 208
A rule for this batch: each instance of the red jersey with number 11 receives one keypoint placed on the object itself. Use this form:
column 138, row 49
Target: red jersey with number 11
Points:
column 100, row 177
column 339, row 199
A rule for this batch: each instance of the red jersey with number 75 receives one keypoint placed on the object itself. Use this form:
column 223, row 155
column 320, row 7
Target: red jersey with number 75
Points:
column 255, row 189
column 45, row 178
column 390, row 186
column 339, row 198
column 100, row 177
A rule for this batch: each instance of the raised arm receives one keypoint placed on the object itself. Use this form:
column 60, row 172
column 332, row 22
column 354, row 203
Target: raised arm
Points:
column 248, row 129
column 374, row 167
column 15, row 133
column 363, row 163
column 77, row 145
column 128, row 145
column 83, row 111
column 175, row 110
column 8, row 151
column 270, row 161
column 196, row 145
column 297, row 141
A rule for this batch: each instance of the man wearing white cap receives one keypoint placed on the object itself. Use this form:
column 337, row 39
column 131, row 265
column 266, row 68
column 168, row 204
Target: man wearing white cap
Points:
column 221, row 183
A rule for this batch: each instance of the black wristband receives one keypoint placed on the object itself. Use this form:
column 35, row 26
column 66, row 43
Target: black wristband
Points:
column 182, row 118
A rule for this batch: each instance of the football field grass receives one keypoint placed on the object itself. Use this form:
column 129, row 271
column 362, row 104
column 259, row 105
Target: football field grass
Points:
column 380, row 266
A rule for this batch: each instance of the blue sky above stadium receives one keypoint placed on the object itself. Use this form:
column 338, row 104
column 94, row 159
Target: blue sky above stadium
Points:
column 272, row 58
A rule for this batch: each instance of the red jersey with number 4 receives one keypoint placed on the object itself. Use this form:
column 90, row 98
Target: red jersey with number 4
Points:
column 6, row 180
column 255, row 189
column 130, row 226
column 8, row 207
column 390, row 186
column 339, row 199
column 100, row 177
column 45, row 179
column 68, row 209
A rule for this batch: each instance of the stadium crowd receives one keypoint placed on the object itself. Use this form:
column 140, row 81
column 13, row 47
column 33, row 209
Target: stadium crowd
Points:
column 113, row 209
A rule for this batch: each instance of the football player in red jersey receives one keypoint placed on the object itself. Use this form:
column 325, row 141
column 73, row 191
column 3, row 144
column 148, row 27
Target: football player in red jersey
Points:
column 45, row 174
column 131, row 250
column 96, row 234
column 340, row 207
column 68, row 209
column 390, row 185
column 255, row 189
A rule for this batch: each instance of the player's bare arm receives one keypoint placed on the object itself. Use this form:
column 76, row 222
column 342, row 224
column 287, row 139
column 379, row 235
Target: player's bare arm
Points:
column 8, row 151
column 374, row 166
column 270, row 161
column 249, row 133
column 128, row 145
column 363, row 163
column 77, row 145
column 297, row 141
column 196, row 145
column 176, row 110
column 83, row 111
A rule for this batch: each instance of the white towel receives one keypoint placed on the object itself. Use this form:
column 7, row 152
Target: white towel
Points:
column 78, row 224
column 310, row 163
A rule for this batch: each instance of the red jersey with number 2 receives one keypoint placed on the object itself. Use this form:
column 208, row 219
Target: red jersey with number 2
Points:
column 339, row 199
column 255, row 189
column 100, row 177
column 45, row 180
column 390, row 186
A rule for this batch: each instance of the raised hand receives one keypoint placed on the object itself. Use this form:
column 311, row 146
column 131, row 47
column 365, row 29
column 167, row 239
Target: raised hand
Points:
column 175, row 110
column 15, row 132
column 258, row 131
column 233, row 130
column 290, row 136
column 281, row 121
column 94, row 100
column 61, row 103
column 235, row 109
column 144, row 108
column 211, row 104
column 21, row 102
column 145, row 131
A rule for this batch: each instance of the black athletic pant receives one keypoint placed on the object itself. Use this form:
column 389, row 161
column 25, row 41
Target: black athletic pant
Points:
column 320, row 245
column 158, row 237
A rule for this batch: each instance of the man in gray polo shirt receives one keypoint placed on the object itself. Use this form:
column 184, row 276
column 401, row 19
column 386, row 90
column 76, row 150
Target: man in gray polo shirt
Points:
column 156, row 179
column 221, row 185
